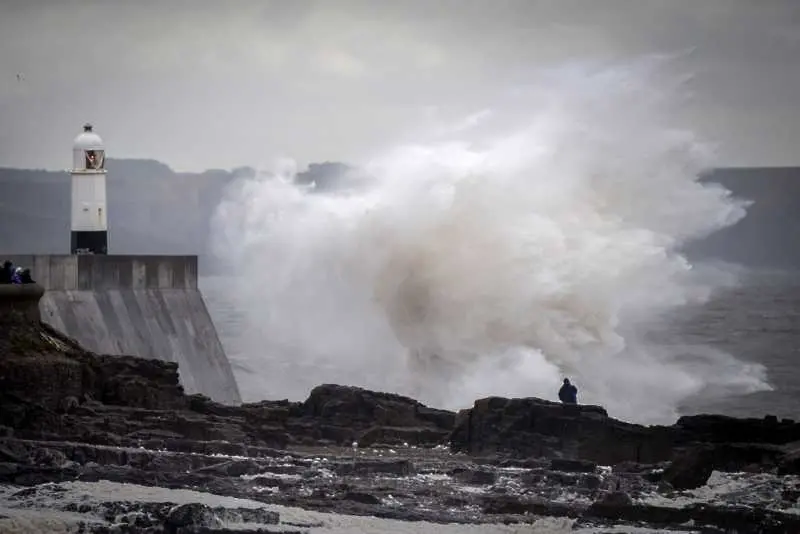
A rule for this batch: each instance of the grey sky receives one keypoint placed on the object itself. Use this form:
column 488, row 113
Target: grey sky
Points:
column 200, row 84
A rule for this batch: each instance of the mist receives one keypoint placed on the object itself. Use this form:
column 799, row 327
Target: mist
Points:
column 536, row 239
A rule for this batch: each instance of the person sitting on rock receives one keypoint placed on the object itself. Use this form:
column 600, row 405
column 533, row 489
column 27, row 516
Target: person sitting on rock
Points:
column 568, row 394
column 16, row 278
column 25, row 277
column 6, row 272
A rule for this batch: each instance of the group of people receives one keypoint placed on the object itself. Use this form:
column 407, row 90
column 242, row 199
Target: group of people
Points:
column 9, row 274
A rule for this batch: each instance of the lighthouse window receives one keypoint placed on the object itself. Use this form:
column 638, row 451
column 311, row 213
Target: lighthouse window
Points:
column 94, row 159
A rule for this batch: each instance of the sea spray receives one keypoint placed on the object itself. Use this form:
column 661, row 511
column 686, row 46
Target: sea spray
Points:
column 536, row 239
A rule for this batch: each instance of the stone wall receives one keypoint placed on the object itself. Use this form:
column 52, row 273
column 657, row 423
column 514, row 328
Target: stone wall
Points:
column 146, row 306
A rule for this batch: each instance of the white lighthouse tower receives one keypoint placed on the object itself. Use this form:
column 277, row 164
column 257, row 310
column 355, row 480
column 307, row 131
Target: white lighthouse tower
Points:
column 89, row 222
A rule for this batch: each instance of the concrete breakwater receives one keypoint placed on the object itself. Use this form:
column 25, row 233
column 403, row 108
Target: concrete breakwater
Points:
column 146, row 306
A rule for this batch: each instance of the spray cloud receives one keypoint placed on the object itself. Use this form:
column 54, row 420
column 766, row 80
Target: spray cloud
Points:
column 530, row 241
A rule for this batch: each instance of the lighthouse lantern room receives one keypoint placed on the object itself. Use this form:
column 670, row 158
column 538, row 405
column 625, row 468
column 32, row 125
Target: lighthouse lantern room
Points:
column 89, row 220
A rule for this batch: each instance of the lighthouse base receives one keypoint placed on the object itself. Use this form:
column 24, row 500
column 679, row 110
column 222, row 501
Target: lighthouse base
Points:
column 89, row 242
column 146, row 306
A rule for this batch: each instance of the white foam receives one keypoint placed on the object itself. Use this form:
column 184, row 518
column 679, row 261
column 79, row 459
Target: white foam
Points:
column 538, row 242
column 733, row 489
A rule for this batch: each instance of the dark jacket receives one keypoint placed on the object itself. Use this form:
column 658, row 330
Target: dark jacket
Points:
column 25, row 277
column 6, row 271
column 568, row 394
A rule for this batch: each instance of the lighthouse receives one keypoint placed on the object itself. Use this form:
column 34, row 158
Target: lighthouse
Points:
column 89, row 219
column 106, row 301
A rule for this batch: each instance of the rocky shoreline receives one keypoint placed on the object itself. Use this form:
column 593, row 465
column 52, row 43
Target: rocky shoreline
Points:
column 69, row 418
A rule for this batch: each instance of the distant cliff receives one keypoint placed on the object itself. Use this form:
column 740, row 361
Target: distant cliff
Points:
column 152, row 209
column 155, row 210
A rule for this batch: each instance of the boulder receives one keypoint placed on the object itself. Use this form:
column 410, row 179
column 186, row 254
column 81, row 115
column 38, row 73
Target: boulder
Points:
column 690, row 469
column 573, row 466
column 348, row 405
column 42, row 366
column 343, row 414
column 475, row 477
column 192, row 515
column 789, row 463
column 534, row 427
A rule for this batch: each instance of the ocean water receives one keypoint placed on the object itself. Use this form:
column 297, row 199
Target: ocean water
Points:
column 757, row 321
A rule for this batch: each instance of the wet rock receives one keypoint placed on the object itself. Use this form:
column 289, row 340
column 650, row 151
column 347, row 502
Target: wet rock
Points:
column 361, row 467
column 363, row 498
column 8, row 471
column 573, row 466
column 274, row 482
column 791, row 495
column 48, row 457
column 592, row 482
column 654, row 476
column 690, row 469
column 665, row 488
column 620, row 509
column 512, row 505
column 789, row 463
column 476, row 477
column 153, row 435
column 526, row 463
column 402, row 436
column 232, row 468
column 12, row 450
column 248, row 515
column 224, row 448
column 193, row 518
column 193, row 514
column 68, row 404
column 560, row 478
column 738, row 519
column 504, row 505
column 343, row 414
column 538, row 428
column 755, row 457
column 615, row 498
column 637, row 468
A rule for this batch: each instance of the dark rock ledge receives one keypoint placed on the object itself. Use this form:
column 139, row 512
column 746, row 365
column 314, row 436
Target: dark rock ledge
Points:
column 69, row 415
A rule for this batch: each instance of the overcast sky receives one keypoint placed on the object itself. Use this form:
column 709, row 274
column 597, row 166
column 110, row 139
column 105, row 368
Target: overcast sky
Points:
column 200, row 84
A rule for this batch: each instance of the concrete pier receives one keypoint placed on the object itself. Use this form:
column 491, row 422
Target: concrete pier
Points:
column 146, row 306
